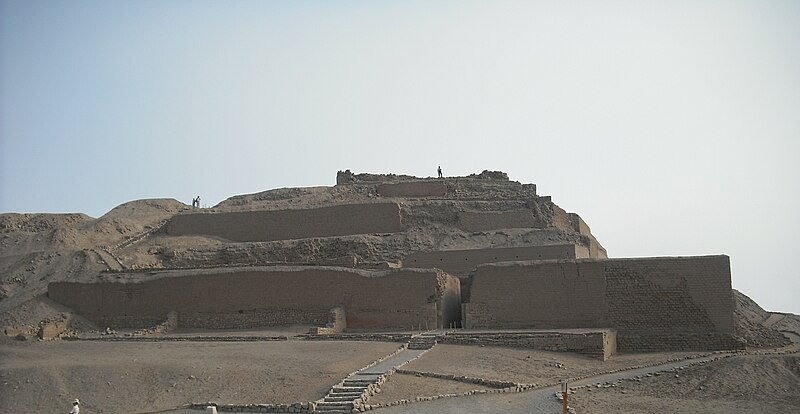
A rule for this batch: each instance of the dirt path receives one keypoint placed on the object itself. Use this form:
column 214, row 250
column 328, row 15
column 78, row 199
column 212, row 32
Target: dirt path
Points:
column 540, row 400
column 543, row 400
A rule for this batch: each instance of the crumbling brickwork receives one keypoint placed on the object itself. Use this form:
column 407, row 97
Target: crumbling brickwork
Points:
column 269, row 225
column 462, row 262
column 428, row 188
column 269, row 296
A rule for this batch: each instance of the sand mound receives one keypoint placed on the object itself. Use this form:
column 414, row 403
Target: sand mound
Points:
column 750, row 319
column 740, row 384
column 36, row 249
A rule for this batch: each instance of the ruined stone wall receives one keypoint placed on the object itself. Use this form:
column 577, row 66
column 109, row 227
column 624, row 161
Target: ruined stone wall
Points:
column 265, row 225
column 413, row 189
column 596, row 251
column 645, row 300
column 256, row 297
column 462, row 262
column 562, row 219
column 578, row 224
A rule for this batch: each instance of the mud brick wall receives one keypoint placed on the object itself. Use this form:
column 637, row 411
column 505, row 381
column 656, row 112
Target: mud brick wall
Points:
column 270, row 296
column 553, row 294
column 683, row 294
column 596, row 251
column 645, row 300
column 484, row 221
column 462, row 262
column 413, row 189
column 561, row 219
column 600, row 344
column 246, row 226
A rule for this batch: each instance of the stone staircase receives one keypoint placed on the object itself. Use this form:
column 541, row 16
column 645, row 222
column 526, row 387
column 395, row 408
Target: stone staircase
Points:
column 353, row 392
column 425, row 340
column 341, row 397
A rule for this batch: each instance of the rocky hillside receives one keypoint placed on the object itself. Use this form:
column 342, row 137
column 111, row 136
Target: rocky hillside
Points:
column 36, row 249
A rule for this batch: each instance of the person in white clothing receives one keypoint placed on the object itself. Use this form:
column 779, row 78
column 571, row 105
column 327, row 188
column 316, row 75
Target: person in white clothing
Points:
column 76, row 409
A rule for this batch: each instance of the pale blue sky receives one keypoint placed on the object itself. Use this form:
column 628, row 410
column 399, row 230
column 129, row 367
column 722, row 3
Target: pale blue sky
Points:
column 673, row 128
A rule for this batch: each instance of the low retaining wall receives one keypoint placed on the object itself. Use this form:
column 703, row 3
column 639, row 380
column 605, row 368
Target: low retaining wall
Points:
column 600, row 344
column 305, row 407
column 687, row 342
column 376, row 337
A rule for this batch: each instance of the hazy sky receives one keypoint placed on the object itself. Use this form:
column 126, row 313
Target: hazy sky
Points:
column 672, row 128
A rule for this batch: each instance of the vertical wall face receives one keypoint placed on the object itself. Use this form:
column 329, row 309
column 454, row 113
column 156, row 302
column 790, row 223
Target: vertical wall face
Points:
column 536, row 295
column 691, row 295
column 684, row 302
column 462, row 262
column 393, row 299
column 413, row 189
column 246, row 226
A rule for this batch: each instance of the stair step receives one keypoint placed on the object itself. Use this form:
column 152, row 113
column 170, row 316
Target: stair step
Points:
column 335, row 398
column 339, row 388
column 346, row 394
column 335, row 405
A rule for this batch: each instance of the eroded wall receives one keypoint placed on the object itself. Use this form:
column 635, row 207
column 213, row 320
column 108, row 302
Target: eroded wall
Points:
column 493, row 220
column 270, row 296
column 265, row 225
column 648, row 301
column 413, row 189
column 462, row 262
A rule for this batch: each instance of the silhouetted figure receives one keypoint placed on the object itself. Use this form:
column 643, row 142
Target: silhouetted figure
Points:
column 439, row 170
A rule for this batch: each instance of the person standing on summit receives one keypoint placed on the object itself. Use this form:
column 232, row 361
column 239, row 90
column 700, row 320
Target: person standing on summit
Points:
column 439, row 170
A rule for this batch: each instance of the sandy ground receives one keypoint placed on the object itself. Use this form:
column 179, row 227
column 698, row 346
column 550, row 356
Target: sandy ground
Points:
column 126, row 377
column 404, row 386
column 524, row 365
column 740, row 384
